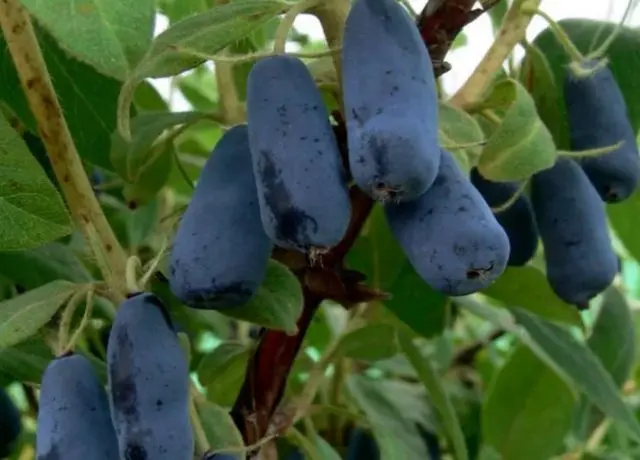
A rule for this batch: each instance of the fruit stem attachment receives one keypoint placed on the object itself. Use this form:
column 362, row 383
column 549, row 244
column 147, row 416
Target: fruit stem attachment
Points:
column 286, row 24
column 62, row 153
column 513, row 30
column 66, row 318
column 602, row 49
column 220, row 58
column 86, row 316
column 507, row 204
column 562, row 37
column 590, row 152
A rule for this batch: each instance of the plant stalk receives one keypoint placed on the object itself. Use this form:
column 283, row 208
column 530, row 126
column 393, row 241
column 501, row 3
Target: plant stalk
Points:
column 512, row 31
column 61, row 150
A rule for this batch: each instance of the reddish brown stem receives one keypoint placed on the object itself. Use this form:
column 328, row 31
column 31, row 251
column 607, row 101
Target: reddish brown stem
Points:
column 268, row 369
column 267, row 373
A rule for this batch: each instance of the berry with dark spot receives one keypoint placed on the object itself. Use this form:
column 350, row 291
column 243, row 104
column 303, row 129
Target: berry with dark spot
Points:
column 302, row 185
column 450, row 235
column 220, row 251
column 390, row 101
column 598, row 118
column 517, row 220
column 73, row 418
column 148, row 383
column 573, row 228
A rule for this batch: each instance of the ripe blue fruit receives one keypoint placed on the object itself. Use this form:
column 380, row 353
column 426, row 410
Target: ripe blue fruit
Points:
column 362, row 445
column 73, row 417
column 220, row 250
column 450, row 235
column 572, row 223
column 304, row 199
column 517, row 220
column 598, row 117
column 10, row 424
column 390, row 102
column 148, row 383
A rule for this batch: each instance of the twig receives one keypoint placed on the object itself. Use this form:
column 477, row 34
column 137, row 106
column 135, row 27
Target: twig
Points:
column 61, row 150
column 266, row 376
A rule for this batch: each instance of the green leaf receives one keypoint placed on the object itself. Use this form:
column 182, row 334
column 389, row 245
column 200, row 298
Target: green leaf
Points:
column 133, row 227
column 154, row 176
column 522, row 145
column 416, row 304
column 396, row 436
column 536, row 75
column 623, row 218
column 132, row 159
column 624, row 61
column 326, row 450
column 148, row 99
column 24, row 315
column 613, row 341
column 456, row 128
column 88, row 98
column 222, row 372
column 613, row 338
column 371, row 342
column 26, row 361
column 206, row 33
column 435, row 387
column 278, row 302
column 377, row 253
column 110, row 36
column 218, row 425
column 580, row 367
column 33, row 268
column 180, row 9
column 32, row 212
column 527, row 287
column 528, row 408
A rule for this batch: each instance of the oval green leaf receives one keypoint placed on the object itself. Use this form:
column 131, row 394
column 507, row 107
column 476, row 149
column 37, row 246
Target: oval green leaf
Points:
column 527, row 287
column 278, row 302
column 23, row 316
column 528, row 409
column 109, row 36
column 521, row 145
column 219, row 428
column 32, row 212
column 372, row 342
column 579, row 366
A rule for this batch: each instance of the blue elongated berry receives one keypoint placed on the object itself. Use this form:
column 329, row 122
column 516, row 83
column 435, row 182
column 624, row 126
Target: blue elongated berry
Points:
column 580, row 261
column 390, row 102
column 517, row 220
column 220, row 251
column 73, row 417
column 598, row 118
column 304, row 199
column 450, row 235
column 148, row 383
